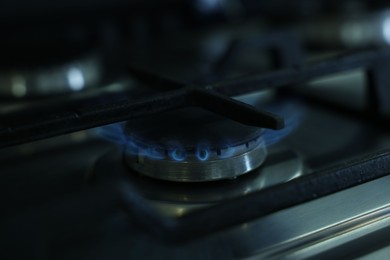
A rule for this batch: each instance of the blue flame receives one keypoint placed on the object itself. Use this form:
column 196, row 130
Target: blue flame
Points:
column 202, row 152
column 132, row 147
column 228, row 151
column 292, row 112
column 178, row 154
column 154, row 153
column 113, row 133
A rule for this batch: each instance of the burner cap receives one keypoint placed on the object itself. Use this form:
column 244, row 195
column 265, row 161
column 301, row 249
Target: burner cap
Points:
column 193, row 145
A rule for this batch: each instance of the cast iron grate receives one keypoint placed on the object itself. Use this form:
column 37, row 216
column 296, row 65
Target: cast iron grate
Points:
column 20, row 127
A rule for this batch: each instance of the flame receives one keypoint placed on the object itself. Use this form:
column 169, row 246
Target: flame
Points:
column 178, row 154
column 227, row 152
column 153, row 153
column 292, row 112
column 202, row 152
column 113, row 133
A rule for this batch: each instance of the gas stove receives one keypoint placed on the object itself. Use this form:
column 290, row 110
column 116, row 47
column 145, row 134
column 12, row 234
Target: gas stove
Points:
column 202, row 129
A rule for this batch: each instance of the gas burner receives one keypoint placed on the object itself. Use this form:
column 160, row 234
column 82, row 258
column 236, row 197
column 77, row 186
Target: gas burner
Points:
column 193, row 145
column 177, row 198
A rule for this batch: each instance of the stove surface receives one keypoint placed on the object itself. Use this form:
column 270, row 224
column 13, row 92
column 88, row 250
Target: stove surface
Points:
column 196, row 131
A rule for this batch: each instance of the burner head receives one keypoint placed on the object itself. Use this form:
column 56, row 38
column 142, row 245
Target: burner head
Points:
column 193, row 145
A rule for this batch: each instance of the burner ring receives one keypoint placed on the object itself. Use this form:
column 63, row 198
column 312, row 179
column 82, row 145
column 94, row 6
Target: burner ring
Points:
column 192, row 145
column 194, row 170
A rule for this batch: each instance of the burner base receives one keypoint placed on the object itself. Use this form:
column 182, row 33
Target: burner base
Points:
column 199, row 171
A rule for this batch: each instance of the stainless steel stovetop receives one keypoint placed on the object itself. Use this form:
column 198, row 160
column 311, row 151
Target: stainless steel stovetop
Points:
column 230, row 142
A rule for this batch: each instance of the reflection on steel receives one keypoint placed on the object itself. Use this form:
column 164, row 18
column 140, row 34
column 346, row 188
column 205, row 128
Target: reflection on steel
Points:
column 348, row 219
column 386, row 30
column 76, row 79
column 353, row 32
column 60, row 79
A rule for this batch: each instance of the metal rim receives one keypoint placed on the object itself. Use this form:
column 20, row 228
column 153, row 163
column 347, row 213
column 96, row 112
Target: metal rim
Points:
column 199, row 171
